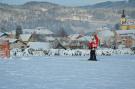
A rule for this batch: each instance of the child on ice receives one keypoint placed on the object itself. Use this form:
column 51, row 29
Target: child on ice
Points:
column 92, row 46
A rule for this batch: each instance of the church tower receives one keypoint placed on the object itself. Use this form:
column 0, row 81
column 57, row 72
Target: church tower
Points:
column 123, row 21
column 123, row 17
column 126, row 24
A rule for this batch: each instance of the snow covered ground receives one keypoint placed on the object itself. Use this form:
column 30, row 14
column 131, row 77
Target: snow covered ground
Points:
column 69, row 52
column 70, row 72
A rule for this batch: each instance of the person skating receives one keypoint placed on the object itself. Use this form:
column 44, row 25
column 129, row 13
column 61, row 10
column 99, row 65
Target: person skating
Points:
column 92, row 46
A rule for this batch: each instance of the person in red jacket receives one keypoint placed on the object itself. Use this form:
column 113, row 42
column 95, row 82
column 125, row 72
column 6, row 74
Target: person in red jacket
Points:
column 92, row 46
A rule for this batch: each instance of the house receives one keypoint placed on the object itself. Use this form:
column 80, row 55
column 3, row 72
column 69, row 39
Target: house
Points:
column 72, row 41
column 39, row 30
column 4, row 48
column 39, row 45
column 25, row 37
column 40, row 34
column 107, row 38
column 49, row 39
column 127, row 37
column 15, row 43
column 43, row 30
column 4, row 35
column 58, row 44
column 12, row 34
column 74, row 36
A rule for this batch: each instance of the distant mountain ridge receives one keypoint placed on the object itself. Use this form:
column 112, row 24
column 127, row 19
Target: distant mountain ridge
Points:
column 39, row 4
column 55, row 17
column 112, row 4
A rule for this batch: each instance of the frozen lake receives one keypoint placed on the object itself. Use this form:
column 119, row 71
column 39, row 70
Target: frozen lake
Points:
column 55, row 72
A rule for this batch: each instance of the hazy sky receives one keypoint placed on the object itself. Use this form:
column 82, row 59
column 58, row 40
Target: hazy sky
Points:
column 61, row 2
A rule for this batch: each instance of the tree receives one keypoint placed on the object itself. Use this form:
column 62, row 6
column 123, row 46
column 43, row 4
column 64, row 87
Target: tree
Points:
column 132, row 14
column 62, row 32
column 117, row 26
column 18, row 31
column 3, row 29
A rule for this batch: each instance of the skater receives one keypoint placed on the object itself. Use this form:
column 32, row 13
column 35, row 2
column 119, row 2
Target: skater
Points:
column 92, row 46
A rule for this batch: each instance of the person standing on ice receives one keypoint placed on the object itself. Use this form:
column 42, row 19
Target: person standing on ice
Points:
column 92, row 46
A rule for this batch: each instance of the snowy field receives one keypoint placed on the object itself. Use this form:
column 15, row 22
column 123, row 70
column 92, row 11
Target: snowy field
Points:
column 69, row 52
column 68, row 72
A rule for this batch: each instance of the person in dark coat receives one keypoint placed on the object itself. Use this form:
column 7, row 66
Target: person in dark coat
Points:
column 92, row 46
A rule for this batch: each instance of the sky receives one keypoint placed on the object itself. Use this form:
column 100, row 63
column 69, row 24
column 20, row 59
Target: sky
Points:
column 61, row 2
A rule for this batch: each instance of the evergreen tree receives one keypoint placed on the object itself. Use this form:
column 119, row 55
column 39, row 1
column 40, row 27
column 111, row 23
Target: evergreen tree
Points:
column 117, row 26
column 18, row 31
column 2, row 29
column 62, row 32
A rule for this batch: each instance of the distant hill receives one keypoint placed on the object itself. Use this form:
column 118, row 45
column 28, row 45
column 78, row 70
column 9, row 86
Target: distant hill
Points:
column 110, row 4
column 33, row 4
column 55, row 17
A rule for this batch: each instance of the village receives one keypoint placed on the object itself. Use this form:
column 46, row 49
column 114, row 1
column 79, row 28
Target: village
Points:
column 41, row 38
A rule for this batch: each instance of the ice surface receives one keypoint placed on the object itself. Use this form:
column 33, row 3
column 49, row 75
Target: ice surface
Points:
column 68, row 72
